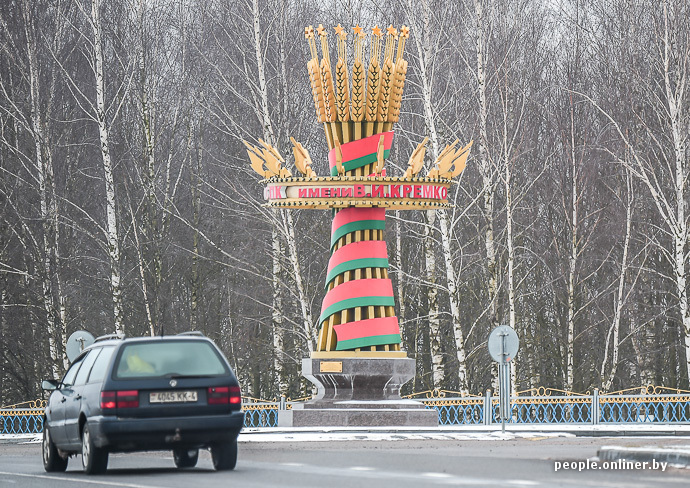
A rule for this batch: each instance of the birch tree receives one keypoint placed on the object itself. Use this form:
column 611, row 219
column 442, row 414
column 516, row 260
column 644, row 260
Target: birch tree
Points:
column 486, row 167
column 428, row 36
column 97, row 110
column 662, row 133
column 613, row 335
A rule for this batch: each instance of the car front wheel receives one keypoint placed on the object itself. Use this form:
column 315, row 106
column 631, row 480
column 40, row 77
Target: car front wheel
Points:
column 185, row 458
column 52, row 461
column 224, row 455
column 94, row 459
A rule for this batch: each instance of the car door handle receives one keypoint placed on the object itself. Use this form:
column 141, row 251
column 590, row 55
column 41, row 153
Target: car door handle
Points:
column 78, row 397
column 63, row 400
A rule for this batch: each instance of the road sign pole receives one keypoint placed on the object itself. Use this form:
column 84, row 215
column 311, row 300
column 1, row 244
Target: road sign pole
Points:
column 503, row 345
column 502, row 381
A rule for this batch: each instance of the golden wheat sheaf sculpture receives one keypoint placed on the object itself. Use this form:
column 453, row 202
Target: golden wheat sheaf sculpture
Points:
column 357, row 103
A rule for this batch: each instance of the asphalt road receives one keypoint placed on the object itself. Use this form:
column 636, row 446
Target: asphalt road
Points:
column 354, row 464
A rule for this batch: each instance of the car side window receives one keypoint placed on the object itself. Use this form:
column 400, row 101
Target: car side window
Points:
column 68, row 379
column 101, row 364
column 85, row 369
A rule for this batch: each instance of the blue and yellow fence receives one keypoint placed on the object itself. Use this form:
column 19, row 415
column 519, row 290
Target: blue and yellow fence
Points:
column 646, row 405
column 22, row 418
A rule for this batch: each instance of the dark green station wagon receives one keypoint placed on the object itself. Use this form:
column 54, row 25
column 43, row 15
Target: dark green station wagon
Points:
column 173, row 393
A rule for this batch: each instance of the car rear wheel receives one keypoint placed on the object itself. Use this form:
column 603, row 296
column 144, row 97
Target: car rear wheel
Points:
column 94, row 459
column 52, row 461
column 224, row 455
column 185, row 458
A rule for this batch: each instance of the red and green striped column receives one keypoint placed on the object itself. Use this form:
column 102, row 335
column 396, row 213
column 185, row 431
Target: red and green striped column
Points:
column 357, row 312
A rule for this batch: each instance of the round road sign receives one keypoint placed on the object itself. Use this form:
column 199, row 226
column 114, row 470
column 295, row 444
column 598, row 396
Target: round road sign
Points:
column 503, row 343
column 77, row 342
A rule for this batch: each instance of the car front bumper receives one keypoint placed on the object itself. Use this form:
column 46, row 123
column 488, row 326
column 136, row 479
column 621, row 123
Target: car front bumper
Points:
column 140, row 434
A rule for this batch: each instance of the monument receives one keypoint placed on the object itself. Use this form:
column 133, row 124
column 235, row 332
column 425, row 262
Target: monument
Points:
column 358, row 365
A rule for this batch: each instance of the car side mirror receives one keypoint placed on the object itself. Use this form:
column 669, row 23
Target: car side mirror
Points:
column 50, row 385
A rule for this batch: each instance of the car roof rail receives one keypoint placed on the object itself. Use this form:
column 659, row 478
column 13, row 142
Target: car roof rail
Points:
column 192, row 333
column 109, row 337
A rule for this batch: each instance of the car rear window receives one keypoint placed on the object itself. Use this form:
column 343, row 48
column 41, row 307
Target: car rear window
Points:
column 168, row 359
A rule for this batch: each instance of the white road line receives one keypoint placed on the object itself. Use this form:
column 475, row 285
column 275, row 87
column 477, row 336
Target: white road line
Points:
column 365, row 473
column 77, row 480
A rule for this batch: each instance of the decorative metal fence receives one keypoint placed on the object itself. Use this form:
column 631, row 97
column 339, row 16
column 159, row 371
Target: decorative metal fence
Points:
column 22, row 418
column 646, row 405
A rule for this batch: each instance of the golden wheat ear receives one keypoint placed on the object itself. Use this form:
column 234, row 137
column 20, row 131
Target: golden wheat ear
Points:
column 339, row 157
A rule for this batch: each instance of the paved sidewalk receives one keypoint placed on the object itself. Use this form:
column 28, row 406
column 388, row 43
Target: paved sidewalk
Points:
column 677, row 456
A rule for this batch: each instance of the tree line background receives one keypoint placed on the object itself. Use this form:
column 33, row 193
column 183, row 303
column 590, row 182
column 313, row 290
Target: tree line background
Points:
column 127, row 203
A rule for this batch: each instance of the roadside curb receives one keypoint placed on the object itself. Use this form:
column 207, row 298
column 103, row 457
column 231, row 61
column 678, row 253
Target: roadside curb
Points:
column 469, row 433
column 676, row 457
column 611, row 430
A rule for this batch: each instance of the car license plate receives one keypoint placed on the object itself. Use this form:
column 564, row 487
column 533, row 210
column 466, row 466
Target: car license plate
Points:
column 172, row 397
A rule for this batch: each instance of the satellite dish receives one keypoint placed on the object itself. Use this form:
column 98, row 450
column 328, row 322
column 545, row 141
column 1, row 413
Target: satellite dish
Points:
column 77, row 342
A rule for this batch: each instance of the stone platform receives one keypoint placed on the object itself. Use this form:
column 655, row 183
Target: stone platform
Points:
column 358, row 392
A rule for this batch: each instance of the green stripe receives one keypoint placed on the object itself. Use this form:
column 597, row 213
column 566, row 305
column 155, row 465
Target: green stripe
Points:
column 356, row 302
column 359, row 162
column 380, row 340
column 356, row 264
column 355, row 226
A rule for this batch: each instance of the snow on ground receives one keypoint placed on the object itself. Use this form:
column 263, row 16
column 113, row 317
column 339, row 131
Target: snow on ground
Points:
column 449, row 432
column 21, row 438
column 313, row 436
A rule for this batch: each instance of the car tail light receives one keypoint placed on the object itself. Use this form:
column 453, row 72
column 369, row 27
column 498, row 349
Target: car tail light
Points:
column 222, row 395
column 128, row 399
column 119, row 399
column 108, row 400
column 235, row 395
column 218, row 395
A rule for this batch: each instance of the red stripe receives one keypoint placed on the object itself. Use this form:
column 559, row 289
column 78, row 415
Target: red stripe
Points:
column 358, row 250
column 367, row 328
column 354, row 214
column 361, row 147
column 357, row 289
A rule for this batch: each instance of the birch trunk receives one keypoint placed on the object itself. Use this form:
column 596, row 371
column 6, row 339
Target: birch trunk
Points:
column 511, row 257
column 400, row 286
column 423, row 42
column 286, row 218
column 487, row 179
column 142, row 274
column 44, row 173
column 612, row 338
column 572, row 259
column 277, row 317
column 196, row 221
column 151, row 229
column 675, row 83
column 437, row 371
column 4, row 344
column 111, row 210
column 309, row 328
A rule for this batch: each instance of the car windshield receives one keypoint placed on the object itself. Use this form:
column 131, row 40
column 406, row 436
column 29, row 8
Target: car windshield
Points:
column 169, row 359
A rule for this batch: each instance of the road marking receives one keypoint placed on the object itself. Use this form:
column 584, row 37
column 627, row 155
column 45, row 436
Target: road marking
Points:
column 366, row 473
column 77, row 480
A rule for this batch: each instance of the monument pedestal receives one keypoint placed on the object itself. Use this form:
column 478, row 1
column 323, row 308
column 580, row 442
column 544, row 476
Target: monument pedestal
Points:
column 358, row 392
